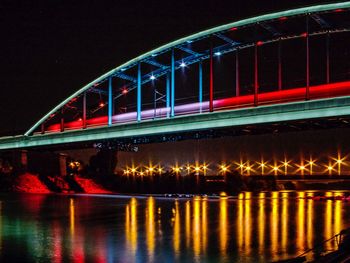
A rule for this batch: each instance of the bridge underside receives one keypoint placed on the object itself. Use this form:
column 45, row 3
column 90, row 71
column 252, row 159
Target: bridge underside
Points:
column 230, row 122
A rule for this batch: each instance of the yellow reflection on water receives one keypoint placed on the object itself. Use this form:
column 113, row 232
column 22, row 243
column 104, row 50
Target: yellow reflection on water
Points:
column 274, row 216
column 177, row 228
column 337, row 216
column 150, row 227
column 300, row 242
column 223, row 225
column 196, row 227
column 204, row 224
column 310, row 223
column 261, row 222
column 71, row 216
column 131, row 225
column 240, row 224
column 284, row 222
column 328, row 231
column 247, row 224
column 187, row 222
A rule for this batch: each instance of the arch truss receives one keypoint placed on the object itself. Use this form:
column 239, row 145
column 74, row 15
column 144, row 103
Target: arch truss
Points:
column 187, row 76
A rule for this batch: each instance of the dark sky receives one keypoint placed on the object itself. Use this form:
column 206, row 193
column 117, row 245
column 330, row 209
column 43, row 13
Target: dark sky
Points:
column 49, row 49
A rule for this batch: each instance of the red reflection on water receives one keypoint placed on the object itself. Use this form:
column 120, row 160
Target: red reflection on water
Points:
column 57, row 242
column 33, row 203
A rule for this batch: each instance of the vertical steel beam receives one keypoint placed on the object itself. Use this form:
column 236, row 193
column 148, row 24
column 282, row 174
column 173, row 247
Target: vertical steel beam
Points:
column 167, row 95
column 256, row 76
column 307, row 95
column 280, row 64
column 237, row 73
column 200, row 95
column 84, row 110
column 172, row 110
column 211, row 79
column 139, row 79
column 327, row 58
column 110, row 101
column 62, row 121
column 154, row 102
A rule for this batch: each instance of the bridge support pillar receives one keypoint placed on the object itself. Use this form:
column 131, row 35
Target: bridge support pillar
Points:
column 211, row 84
column 139, row 79
column 167, row 95
column 110, row 101
column 172, row 111
column 280, row 64
column 256, row 76
column 62, row 160
column 200, row 95
column 307, row 95
column 20, row 161
column 237, row 72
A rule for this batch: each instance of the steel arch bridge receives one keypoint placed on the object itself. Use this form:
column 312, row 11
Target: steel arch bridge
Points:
column 148, row 95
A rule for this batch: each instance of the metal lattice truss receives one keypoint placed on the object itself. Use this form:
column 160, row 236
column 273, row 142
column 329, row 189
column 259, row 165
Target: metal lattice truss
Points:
column 217, row 40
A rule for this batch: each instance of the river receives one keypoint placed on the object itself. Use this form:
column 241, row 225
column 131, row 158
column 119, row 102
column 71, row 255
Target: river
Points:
column 259, row 227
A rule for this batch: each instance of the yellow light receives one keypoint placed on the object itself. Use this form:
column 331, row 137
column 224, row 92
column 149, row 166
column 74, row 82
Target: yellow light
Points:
column 205, row 167
column 302, row 167
column 176, row 169
column 248, row 168
column 224, row 168
column 262, row 165
column 133, row 170
column 339, row 161
column 196, row 168
column 275, row 168
column 223, row 194
column 241, row 166
column 311, row 162
column 141, row 173
column 285, row 163
column 151, row 169
column 330, row 168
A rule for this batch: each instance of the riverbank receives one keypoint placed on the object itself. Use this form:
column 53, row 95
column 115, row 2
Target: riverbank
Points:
column 164, row 184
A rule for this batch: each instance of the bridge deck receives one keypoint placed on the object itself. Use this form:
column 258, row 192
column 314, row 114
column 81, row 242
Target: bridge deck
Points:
column 293, row 111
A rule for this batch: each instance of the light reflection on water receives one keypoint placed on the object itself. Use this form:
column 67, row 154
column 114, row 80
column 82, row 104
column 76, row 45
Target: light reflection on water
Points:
column 253, row 228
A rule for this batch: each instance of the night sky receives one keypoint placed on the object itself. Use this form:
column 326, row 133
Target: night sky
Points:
column 49, row 49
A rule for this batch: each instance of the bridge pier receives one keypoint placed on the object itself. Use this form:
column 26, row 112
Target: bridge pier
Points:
column 20, row 161
column 62, row 160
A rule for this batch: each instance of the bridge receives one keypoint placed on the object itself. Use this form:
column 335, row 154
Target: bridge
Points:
column 278, row 68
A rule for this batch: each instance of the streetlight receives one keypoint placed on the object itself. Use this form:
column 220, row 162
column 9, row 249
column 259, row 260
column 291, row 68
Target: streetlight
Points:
column 339, row 161
column 275, row 169
column 223, row 169
column 133, row 170
column 311, row 163
column 160, row 170
column 330, row 169
column 205, row 168
column 240, row 166
column 188, row 168
column 248, row 168
column 262, row 165
column 285, row 163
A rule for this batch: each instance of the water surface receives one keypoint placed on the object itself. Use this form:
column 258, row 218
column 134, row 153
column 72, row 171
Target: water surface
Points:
column 254, row 228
